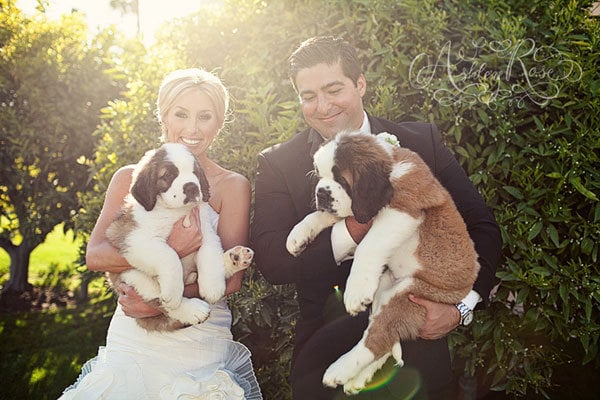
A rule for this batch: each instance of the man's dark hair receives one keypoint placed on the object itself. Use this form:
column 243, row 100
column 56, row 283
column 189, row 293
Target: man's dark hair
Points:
column 327, row 50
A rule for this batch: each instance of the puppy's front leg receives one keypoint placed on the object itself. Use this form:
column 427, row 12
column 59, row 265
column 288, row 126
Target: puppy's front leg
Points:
column 209, row 260
column 162, row 263
column 391, row 229
column 307, row 230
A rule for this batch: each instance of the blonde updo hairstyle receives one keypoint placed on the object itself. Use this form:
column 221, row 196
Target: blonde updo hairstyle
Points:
column 180, row 81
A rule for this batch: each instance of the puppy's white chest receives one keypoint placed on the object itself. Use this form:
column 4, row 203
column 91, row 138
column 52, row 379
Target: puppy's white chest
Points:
column 404, row 262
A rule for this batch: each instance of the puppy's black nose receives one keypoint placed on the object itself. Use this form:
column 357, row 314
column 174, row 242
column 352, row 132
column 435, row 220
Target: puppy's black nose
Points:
column 324, row 199
column 191, row 192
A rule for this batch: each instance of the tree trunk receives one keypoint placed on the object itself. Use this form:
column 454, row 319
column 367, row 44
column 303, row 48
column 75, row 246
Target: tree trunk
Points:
column 19, row 269
column 83, row 289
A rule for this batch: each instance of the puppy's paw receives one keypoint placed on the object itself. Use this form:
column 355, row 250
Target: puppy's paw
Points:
column 212, row 293
column 237, row 259
column 360, row 291
column 191, row 278
column 336, row 374
column 360, row 381
column 298, row 239
column 356, row 301
column 351, row 388
column 191, row 311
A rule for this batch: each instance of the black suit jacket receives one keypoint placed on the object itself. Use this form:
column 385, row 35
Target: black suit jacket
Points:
column 284, row 194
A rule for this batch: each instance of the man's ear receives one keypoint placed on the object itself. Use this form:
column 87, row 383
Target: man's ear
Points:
column 361, row 85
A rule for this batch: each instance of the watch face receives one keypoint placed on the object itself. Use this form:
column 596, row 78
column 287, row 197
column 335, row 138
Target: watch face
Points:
column 468, row 318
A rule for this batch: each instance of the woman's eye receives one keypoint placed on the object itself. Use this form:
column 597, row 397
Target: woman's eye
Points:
column 205, row 117
column 181, row 115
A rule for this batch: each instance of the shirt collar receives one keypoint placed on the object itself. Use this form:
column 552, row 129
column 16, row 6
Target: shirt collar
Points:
column 366, row 125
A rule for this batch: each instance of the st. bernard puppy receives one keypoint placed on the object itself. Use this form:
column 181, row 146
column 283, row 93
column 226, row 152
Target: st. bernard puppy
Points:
column 418, row 244
column 167, row 184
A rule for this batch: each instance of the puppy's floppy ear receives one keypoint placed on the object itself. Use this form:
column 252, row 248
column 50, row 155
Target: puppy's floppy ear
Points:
column 145, row 188
column 371, row 191
column 204, row 186
column 370, row 166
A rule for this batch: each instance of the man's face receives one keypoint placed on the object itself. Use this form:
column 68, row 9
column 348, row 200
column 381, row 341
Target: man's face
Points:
column 331, row 102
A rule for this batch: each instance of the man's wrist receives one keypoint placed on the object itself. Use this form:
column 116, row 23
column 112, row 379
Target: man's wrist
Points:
column 466, row 306
column 466, row 314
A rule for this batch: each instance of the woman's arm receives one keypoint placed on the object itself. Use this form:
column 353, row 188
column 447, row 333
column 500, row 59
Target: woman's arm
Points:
column 232, row 196
column 100, row 254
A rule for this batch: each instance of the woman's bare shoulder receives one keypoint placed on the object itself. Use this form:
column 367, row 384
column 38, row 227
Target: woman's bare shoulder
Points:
column 120, row 182
column 124, row 173
column 235, row 178
column 232, row 186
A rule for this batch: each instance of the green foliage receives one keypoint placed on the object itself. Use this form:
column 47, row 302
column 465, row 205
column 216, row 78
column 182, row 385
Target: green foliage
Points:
column 514, row 87
column 52, row 85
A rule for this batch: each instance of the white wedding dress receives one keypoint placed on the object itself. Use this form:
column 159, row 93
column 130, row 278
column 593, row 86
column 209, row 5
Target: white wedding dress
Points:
column 198, row 362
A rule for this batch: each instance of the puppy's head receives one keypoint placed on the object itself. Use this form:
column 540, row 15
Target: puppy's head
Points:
column 354, row 171
column 170, row 175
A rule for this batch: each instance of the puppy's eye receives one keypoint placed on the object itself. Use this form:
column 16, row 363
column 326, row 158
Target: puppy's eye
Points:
column 167, row 175
column 337, row 176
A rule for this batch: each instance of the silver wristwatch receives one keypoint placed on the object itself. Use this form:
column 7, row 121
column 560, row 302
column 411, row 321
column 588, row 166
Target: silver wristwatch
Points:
column 466, row 314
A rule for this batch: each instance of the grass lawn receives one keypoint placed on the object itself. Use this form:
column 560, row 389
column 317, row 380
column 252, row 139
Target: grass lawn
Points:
column 41, row 352
column 58, row 252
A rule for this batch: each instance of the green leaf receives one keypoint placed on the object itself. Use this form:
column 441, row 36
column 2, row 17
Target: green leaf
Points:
column 553, row 233
column 587, row 245
column 541, row 271
column 563, row 290
column 535, row 230
column 513, row 191
column 554, row 175
column 588, row 310
column 499, row 349
column 576, row 182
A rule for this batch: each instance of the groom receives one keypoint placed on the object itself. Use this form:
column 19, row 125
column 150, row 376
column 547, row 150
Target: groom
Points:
column 330, row 84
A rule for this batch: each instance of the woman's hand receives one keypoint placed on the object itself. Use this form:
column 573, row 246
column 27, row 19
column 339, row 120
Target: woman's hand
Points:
column 133, row 304
column 186, row 236
column 440, row 320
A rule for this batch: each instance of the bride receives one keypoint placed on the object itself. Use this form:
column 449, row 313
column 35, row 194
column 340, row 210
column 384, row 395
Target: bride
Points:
column 200, row 361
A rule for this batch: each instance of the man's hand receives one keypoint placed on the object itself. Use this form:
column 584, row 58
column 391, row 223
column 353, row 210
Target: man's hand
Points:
column 133, row 304
column 356, row 229
column 440, row 320
column 186, row 236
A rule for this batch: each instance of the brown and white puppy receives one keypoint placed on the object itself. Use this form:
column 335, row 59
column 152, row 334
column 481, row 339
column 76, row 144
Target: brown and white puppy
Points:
column 167, row 184
column 418, row 243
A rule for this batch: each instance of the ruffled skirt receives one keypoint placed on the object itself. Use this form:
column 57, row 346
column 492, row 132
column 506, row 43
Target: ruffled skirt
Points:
column 198, row 362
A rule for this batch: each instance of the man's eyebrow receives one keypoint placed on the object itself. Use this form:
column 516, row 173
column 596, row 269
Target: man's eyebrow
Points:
column 334, row 83
column 325, row 87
